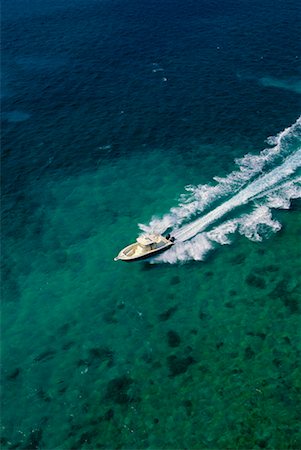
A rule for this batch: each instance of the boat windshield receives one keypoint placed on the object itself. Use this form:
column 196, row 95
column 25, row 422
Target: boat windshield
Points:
column 148, row 240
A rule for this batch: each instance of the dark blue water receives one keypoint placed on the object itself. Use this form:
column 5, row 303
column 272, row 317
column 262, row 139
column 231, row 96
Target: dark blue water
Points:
column 109, row 109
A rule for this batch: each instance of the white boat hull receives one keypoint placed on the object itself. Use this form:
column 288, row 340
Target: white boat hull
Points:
column 136, row 252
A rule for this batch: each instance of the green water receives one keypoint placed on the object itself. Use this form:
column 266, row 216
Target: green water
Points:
column 102, row 354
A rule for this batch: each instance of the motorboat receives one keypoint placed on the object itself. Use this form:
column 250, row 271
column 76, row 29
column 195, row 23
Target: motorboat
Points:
column 145, row 246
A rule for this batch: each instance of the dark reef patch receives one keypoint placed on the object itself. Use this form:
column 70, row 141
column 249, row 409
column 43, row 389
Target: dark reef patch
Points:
column 43, row 395
column 118, row 390
column 147, row 356
column 249, row 353
column 259, row 334
column 175, row 280
column 109, row 414
column 262, row 443
column 85, row 408
column 236, row 371
column 188, row 407
column 109, row 316
column 100, row 354
column 203, row 369
column 209, row 274
column 68, row 345
column 287, row 340
column 194, row 331
column 255, row 281
column 271, row 268
column 3, row 440
column 120, row 305
column 173, row 339
column 178, row 365
column 13, row 374
column 238, row 259
column 63, row 329
column 168, row 313
column 10, row 291
column 202, row 315
column 96, row 356
column 60, row 257
column 229, row 305
column 157, row 365
column 34, row 439
column 277, row 362
column 289, row 299
column 86, row 438
column 45, row 356
column 62, row 386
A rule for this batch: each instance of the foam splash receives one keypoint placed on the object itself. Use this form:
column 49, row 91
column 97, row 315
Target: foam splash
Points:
column 195, row 249
column 198, row 198
column 281, row 196
column 267, row 180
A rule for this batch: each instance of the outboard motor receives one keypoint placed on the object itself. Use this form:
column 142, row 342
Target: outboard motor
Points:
column 167, row 236
column 172, row 239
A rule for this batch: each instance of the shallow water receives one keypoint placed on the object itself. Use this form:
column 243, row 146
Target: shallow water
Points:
column 103, row 127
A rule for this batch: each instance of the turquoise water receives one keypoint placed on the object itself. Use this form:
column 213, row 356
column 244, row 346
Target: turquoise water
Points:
column 109, row 111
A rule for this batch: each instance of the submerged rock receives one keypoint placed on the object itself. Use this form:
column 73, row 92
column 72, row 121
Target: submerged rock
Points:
column 178, row 365
column 238, row 259
column 109, row 316
column 68, row 345
column 173, row 339
column 13, row 374
column 118, row 390
column 96, row 356
column 45, row 356
column 35, row 438
column 256, row 281
column 43, row 395
column 167, row 314
column 100, row 353
column 249, row 353
column 287, row 296
column 202, row 315
column 109, row 414
column 64, row 329
column 188, row 406
column 175, row 280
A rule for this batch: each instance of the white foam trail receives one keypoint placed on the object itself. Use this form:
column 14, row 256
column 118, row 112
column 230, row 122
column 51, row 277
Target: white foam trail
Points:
column 273, row 189
column 280, row 197
column 270, row 179
column 251, row 225
column 256, row 225
column 199, row 198
column 195, row 249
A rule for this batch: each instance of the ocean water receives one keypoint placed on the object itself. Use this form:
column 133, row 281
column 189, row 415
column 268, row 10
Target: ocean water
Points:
column 125, row 117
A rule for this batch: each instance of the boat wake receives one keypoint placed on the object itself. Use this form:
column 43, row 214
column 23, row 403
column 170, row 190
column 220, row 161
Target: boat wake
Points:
column 262, row 182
